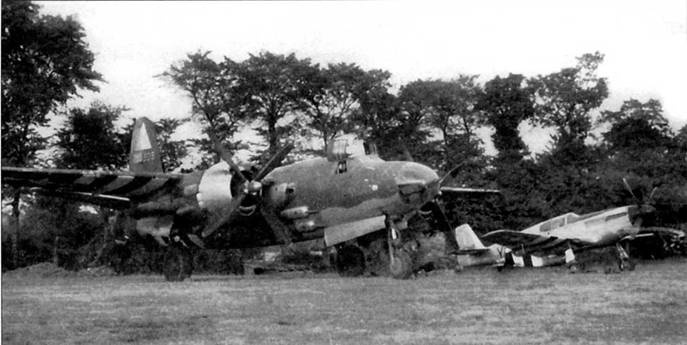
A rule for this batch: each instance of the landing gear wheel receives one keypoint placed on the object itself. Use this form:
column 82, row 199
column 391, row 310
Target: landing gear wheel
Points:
column 350, row 261
column 576, row 267
column 178, row 264
column 401, row 265
column 624, row 260
column 627, row 264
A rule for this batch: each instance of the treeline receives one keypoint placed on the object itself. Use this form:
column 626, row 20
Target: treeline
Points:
column 287, row 98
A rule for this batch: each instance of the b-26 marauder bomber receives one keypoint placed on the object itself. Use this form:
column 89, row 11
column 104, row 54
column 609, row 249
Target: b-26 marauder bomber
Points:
column 350, row 201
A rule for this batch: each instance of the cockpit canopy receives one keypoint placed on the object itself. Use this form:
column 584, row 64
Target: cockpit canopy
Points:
column 349, row 145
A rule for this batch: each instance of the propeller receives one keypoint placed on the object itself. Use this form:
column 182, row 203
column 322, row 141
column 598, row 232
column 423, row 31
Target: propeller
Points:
column 249, row 187
column 644, row 208
column 443, row 225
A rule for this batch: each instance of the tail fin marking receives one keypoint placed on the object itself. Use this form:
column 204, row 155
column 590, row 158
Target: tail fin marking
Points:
column 145, row 153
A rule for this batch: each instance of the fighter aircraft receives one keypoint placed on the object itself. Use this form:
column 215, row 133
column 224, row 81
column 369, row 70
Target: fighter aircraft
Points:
column 341, row 198
column 473, row 252
column 569, row 233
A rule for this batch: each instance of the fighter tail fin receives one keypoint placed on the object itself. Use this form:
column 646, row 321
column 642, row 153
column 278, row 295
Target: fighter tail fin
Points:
column 145, row 153
column 467, row 239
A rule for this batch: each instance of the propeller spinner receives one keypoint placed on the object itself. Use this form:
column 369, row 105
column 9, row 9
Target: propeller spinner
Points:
column 250, row 188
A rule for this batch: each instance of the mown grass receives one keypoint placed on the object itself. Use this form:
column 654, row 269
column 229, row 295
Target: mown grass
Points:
column 483, row 306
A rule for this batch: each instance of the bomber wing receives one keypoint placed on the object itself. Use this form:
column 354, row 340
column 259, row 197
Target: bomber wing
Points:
column 469, row 192
column 527, row 244
column 112, row 189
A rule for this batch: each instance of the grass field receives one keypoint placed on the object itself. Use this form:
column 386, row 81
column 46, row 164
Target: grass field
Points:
column 525, row 306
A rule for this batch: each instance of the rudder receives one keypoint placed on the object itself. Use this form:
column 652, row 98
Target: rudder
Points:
column 145, row 153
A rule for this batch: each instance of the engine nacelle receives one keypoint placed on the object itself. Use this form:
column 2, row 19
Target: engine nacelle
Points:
column 296, row 212
column 281, row 194
column 214, row 189
column 305, row 225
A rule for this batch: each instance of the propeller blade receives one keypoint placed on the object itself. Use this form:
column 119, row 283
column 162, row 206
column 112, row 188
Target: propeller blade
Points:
column 444, row 226
column 651, row 195
column 231, row 213
column 227, row 158
column 451, row 173
column 627, row 186
column 273, row 162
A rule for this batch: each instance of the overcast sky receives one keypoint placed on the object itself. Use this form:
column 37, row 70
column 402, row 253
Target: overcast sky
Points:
column 645, row 42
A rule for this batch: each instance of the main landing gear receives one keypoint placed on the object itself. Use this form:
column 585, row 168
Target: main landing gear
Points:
column 178, row 263
column 391, row 252
column 350, row 260
column 400, row 258
column 624, row 260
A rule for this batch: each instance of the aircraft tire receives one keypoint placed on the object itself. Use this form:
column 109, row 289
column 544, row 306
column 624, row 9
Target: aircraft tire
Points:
column 350, row 261
column 178, row 264
column 402, row 265
column 626, row 265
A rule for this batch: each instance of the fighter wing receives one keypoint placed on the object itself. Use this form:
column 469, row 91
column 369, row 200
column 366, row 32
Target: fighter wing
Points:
column 113, row 189
column 524, row 243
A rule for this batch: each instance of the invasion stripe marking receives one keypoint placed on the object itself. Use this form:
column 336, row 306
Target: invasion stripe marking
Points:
column 152, row 185
column 137, row 182
column 119, row 182
column 540, row 241
column 101, row 181
column 168, row 185
column 554, row 244
column 536, row 244
column 84, row 181
column 62, row 179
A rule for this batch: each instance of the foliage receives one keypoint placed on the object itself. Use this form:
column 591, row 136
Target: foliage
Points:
column 432, row 121
column 331, row 98
column 273, row 87
column 89, row 139
column 171, row 151
column 215, row 98
column 636, row 126
column 45, row 60
column 565, row 99
column 377, row 120
column 506, row 102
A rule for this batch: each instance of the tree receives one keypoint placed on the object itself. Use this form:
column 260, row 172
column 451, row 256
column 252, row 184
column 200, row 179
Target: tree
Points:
column 641, row 145
column 565, row 99
column 171, row 151
column 415, row 102
column 449, row 107
column 89, row 139
column 330, row 100
column 377, row 118
column 45, row 61
column 273, row 86
column 636, row 126
column 506, row 102
column 216, row 101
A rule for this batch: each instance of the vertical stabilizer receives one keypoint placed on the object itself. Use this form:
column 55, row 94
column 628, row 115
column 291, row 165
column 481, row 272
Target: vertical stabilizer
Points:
column 467, row 239
column 145, row 153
